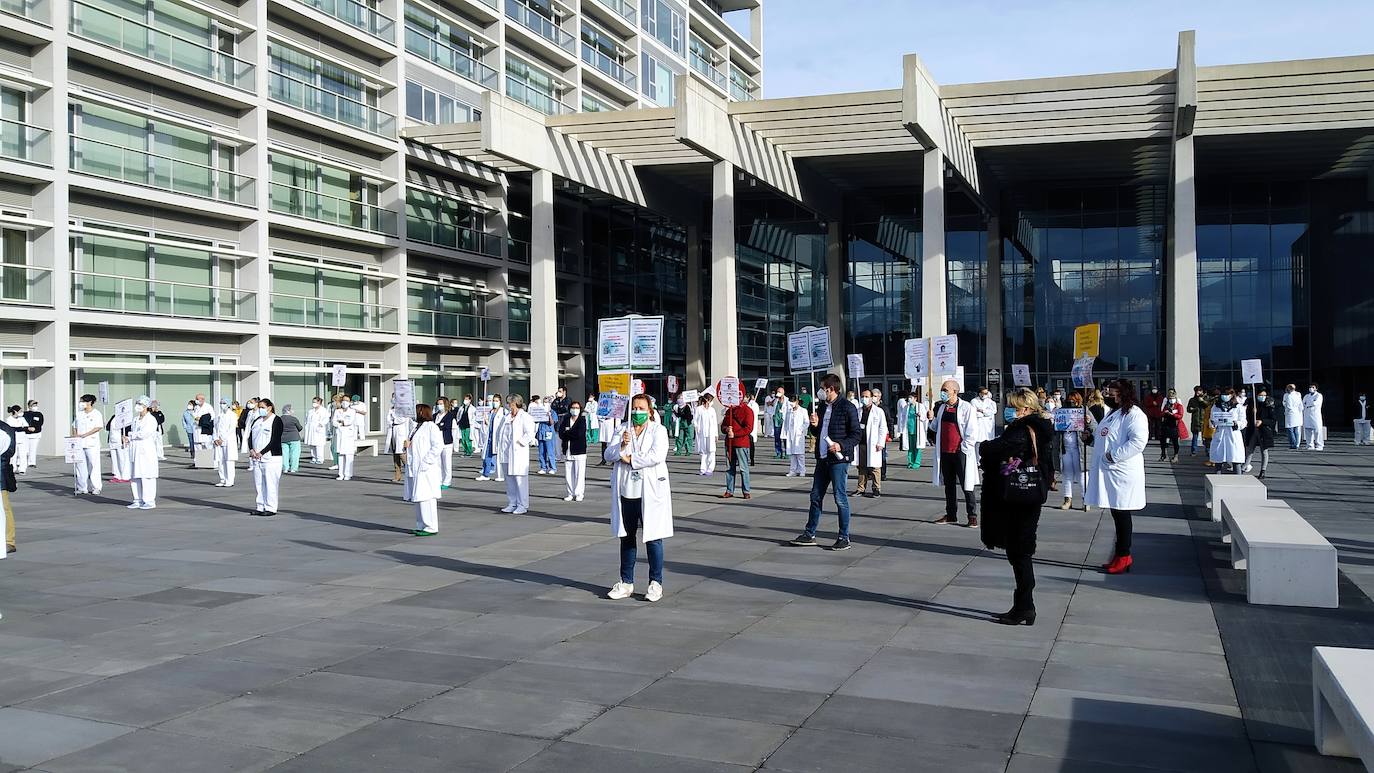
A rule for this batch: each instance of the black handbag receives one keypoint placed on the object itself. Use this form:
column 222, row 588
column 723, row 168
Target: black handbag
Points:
column 1026, row 485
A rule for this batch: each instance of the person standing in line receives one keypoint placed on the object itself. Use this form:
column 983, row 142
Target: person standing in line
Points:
column 1070, row 450
column 34, row 433
column 290, row 440
column 593, row 432
column 249, row 412
column 265, row 456
column 755, row 428
column 986, row 410
column 347, row 431
column 398, row 428
column 914, row 427
column 1362, row 420
column 794, row 431
column 142, row 447
column 838, row 432
column 899, row 424
column 870, row 451
column 203, row 415
column 1171, row 427
column 781, row 409
column 424, row 474
column 516, row 435
column 1198, row 411
column 155, row 410
column 86, row 426
column 558, row 409
column 491, row 467
column 464, row 424
column 737, row 427
column 19, row 449
column 1228, row 420
column 1292, row 415
column 686, row 434
column 606, row 429
column 1263, row 418
column 1313, row 428
column 1116, row 475
column 956, row 433
column 226, row 445
column 9, row 450
column 317, row 430
column 546, row 435
column 641, row 497
column 1153, row 401
column 572, row 430
column 706, row 429
column 444, row 418
column 119, row 452
column 188, row 428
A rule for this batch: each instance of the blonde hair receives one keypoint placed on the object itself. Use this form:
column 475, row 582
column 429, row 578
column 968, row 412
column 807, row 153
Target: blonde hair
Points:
column 1095, row 397
column 1023, row 397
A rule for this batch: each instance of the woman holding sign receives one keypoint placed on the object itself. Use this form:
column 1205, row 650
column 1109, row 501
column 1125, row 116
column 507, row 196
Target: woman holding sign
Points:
column 1228, row 420
column 640, row 497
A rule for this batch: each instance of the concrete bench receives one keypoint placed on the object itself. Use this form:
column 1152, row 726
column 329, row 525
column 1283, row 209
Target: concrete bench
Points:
column 1343, row 702
column 1235, row 509
column 367, row 445
column 1238, row 486
column 1286, row 561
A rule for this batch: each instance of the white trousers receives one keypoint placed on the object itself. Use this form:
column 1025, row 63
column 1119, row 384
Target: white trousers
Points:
column 500, row 471
column 345, row 467
column 798, row 464
column 161, row 452
column 575, row 471
column 88, row 471
column 407, row 486
column 119, row 463
column 267, row 479
column 427, row 515
column 708, row 462
column 145, row 491
column 446, row 464
column 20, row 460
column 1363, row 430
column 32, row 461
column 1315, row 438
column 518, row 491
column 224, row 465
column 317, row 453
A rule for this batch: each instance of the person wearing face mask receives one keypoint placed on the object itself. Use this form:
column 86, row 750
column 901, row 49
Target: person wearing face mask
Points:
column 838, row 432
column 572, row 430
column 956, row 432
column 795, row 424
column 464, row 424
column 20, row 453
column 33, row 433
column 398, row 430
column 1292, row 415
column 1313, row 427
column 1171, row 427
column 86, row 426
column 641, row 497
column 913, row 426
column 250, row 411
column 1116, row 472
column 515, row 435
column 558, row 410
column 444, row 418
column 1228, row 421
column 1362, row 420
column 1153, row 401
column 776, row 419
column 491, row 466
column 119, row 452
column 985, row 409
column 1263, row 417
column 735, row 427
column 347, row 425
column 316, row 436
column 1070, row 452
column 142, row 446
column 546, row 438
column 188, row 429
column 226, row 444
column 870, row 451
column 265, row 456
column 686, row 434
column 1199, row 408
column 707, row 430
column 423, row 448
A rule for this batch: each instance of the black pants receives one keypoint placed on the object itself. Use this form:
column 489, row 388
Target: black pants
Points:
column 1020, row 554
column 952, row 473
column 1122, row 520
column 1164, row 441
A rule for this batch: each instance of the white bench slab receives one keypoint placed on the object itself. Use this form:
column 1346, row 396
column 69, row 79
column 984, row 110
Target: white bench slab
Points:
column 1236, row 509
column 1287, row 562
column 1238, row 486
column 370, row 445
column 1343, row 702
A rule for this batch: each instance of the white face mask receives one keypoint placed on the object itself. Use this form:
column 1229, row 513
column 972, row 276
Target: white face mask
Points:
column 575, row 412
column 345, row 404
column 868, row 400
column 1312, row 390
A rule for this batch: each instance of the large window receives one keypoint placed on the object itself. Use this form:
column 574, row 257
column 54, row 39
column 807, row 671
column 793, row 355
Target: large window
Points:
column 329, row 194
column 326, row 89
column 426, row 105
column 148, row 272
column 140, row 149
column 321, row 296
column 667, row 23
column 534, row 87
column 659, row 82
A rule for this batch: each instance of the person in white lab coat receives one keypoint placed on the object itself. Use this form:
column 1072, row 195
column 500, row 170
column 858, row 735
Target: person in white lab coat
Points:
column 1116, row 474
column 398, row 429
column 1313, row 430
column 491, row 462
column 265, row 456
column 640, row 497
column 86, row 425
column 606, row 427
column 35, row 432
column 1363, row 414
column 424, row 470
column 1228, row 421
column 1292, row 415
column 1070, row 451
column 706, row 427
column 226, row 450
column 348, row 425
column 986, row 410
column 142, row 446
column 119, row 452
column 360, row 408
column 795, row 423
column 514, row 436
column 870, row 451
column 16, row 422
column 956, row 430
column 317, row 431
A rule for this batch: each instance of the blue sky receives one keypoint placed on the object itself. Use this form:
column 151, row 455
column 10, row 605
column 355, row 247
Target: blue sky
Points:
column 825, row 46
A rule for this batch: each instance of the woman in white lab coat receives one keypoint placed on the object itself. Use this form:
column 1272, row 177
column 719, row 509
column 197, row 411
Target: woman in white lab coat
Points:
column 1070, row 453
column 317, row 431
column 1116, row 474
column 707, row 428
column 226, row 449
column 514, row 436
column 1228, row 421
column 640, row 497
column 398, row 428
column 424, row 474
column 348, row 426
column 870, row 453
column 265, row 456
column 142, row 446
column 795, row 423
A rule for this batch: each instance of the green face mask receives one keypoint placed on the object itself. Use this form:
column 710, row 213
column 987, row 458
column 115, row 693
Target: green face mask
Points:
column 639, row 417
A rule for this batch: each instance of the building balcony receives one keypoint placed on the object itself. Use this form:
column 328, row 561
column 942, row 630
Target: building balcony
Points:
column 139, row 167
column 712, row 73
column 622, row 8
column 335, row 315
column 327, row 104
column 540, row 25
column 742, row 87
column 334, row 210
column 574, row 337
column 358, row 16
column 90, row 22
column 519, row 330
column 451, row 59
column 129, row 295
column 453, row 237
column 451, row 325
column 605, row 64
column 33, row 10
column 24, row 142
column 525, row 94
column 25, row 285
column 518, row 251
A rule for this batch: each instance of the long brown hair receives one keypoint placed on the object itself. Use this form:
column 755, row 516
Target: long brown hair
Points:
column 1125, row 395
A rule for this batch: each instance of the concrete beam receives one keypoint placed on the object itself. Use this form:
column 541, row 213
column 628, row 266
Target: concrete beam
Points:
column 724, row 303
column 934, row 312
column 543, row 311
column 1183, row 347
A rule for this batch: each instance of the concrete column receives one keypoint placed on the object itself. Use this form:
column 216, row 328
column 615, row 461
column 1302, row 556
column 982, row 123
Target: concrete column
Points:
column 695, row 377
column 834, row 295
column 498, row 282
column 396, row 356
column 256, row 275
column 724, row 314
column 992, row 304
column 934, row 284
column 544, row 307
column 1183, row 349
column 52, row 340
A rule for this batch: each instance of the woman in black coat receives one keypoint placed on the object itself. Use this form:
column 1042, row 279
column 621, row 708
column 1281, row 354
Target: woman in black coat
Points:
column 1263, row 420
column 572, row 430
column 1025, row 442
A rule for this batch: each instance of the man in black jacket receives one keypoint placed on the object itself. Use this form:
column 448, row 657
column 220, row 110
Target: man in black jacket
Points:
column 837, row 430
column 559, row 408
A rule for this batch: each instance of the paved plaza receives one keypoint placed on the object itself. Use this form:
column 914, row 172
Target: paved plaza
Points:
column 195, row 637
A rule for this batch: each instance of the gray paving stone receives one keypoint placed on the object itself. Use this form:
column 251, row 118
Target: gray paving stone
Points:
column 767, row 661
column 31, row 737
column 683, row 735
column 499, row 636
column 284, row 651
column 942, row 725
column 20, row 684
column 130, row 699
column 935, row 678
column 1082, row 739
column 411, row 666
column 1154, row 713
column 195, row 597
column 403, row 746
column 267, row 724
column 820, row 751
column 153, row 750
column 718, row 699
column 345, row 692
column 582, row 684
column 563, row 756
column 506, row 712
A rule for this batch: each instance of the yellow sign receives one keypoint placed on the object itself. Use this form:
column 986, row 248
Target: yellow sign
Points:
column 613, row 382
column 1086, row 339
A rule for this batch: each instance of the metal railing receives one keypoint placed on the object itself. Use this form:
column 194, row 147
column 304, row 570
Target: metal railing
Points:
column 598, row 59
column 33, row 10
column 742, row 87
column 338, row 315
column 519, row 330
column 134, row 37
column 517, row 251
column 328, row 104
column 452, row 236
column 25, row 284
column 131, row 165
column 704, row 66
column 130, row 295
column 24, row 142
column 574, row 336
column 355, row 14
column 290, row 200
column 452, row 325
column 540, row 25
column 523, row 92
column 448, row 57
column 623, row 8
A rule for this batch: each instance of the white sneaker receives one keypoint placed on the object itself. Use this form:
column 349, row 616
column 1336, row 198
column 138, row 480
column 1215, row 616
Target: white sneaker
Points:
column 654, row 593
column 1249, row 467
column 132, row 505
column 333, row 466
column 499, row 480
column 220, row 484
column 481, row 477
column 508, row 509
column 520, row 511
column 340, row 477
column 620, row 591
column 577, row 498
column 146, row 507
column 568, row 498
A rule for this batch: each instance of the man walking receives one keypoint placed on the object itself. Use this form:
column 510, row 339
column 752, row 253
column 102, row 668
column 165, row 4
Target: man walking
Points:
column 737, row 428
column 1198, row 411
column 835, row 425
column 956, row 436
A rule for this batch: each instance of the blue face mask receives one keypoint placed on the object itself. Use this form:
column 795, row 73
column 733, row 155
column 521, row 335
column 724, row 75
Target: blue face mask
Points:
column 944, row 394
column 1009, row 414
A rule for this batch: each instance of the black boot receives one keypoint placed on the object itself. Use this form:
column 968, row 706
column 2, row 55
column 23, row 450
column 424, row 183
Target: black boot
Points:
column 1016, row 617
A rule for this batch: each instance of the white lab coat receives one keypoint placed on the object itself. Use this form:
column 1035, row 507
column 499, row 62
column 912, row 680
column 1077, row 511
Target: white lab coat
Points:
column 754, row 411
column 795, row 425
column 422, row 462
column 987, row 417
column 967, row 420
column 1228, row 445
column 226, row 429
column 514, row 436
column 143, row 443
column 706, row 425
column 870, row 454
column 1312, row 411
column 1120, row 483
column 316, row 427
column 398, row 428
column 1292, row 409
column 647, row 454
column 921, row 410
column 348, row 425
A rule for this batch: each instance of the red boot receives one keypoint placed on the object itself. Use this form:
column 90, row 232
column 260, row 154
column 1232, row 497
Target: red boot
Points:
column 1119, row 565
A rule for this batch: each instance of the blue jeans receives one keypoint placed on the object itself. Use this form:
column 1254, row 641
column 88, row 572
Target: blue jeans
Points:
column 777, row 440
column 632, row 516
column 1294, row 436
column 834, row 475
column 548, row 454
column 488, row 464
column 1196, row 441
column 739, row 460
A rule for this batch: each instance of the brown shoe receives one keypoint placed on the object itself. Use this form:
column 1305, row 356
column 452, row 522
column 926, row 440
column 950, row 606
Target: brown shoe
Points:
column 727, row 495
column 746, row 495
column 948, row 519
column 11, row 549
column 973, row 521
